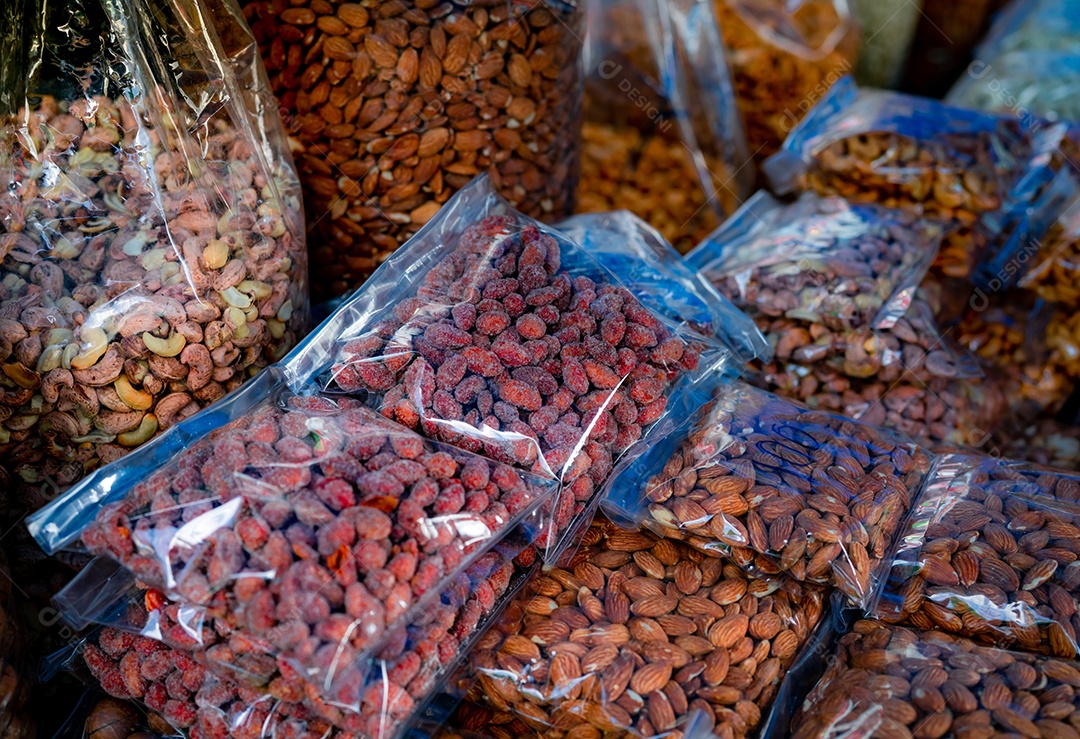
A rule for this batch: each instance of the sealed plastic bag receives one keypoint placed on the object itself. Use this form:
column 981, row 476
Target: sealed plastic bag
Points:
column 995, row 180
column 1054, row 272
column 885, row 681
column 643, row 637
column 665, row 283
column 778, row 488
column 392, row 107
column 150, row 230
column 988, row 553
column 662, row 136
column 784, row 55
column 833, row 287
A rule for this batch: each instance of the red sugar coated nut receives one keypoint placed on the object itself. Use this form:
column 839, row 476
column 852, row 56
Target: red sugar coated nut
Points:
column 504, row 341
column 335, row 549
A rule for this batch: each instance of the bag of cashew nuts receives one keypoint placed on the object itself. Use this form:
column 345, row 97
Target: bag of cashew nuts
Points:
column 887, row 681
column 776, row 488
column 784, row 55
column 496, row 334
column 232, row 686
column 832, row 285
column 663, row 281
column 394, row 106
column 954, row 165
column 662, row 135
column 151, row 231
column 638, row 636
column 989, row 553
column 1054, row 271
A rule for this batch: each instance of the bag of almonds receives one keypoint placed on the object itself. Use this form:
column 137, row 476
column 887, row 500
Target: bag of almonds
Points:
column 226, row 686
column 663, row 281
column 832, row 285
column 776, row 487
column 989, row 552
column 151, row 231
column 987, row 176
column 394, row 106
column 784, row 55
column 886, row 681
column 662, row 136
column 638, row 636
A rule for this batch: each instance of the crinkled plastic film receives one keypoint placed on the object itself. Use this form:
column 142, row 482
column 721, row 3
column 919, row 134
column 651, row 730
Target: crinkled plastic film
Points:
column 393, row 107
column 150, row 226
column 988, row 553
column 657, row 276
column 643, row 637
column 778, row 488
column 889, row 681
column 1055, row 269
column 662, row 134
column 784, row 55
column 387, row 690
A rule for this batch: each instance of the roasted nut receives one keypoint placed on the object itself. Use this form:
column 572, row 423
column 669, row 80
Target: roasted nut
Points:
column 816, row 496
column 989, row 555
column 396, row 106
column 900, row 682
column 633, row 651
column 95, row 314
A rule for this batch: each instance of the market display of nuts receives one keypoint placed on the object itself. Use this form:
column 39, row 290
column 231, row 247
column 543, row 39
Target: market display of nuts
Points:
column 651, row 175
column 783, row 58
column 321, row 525
column 136, row 288
column 394, row 106
column 887, row 681
column 174, row 683
column 990, row 552
column 780, row 488
column 510, row 349
column 634, row 634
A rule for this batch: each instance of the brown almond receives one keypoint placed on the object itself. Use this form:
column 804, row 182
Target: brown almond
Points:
column 650, row 677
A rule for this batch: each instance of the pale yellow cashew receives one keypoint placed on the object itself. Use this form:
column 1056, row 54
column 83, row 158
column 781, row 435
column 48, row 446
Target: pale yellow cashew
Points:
column 169, row 347
column 94, row 345
column 133, row 398
column 147, row 428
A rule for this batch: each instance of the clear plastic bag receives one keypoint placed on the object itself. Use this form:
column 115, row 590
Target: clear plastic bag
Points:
column 665, row 283
column 386, row 691
column 886, row 681
column 996, row 181
column 989, row 553
column 662, row 136
column 1054, row 273
column 1038, row 82
column 1032, row 25
column 393, row 107
column 777, row 488
column 150, row 228
column 784, row 55
column 643, row 637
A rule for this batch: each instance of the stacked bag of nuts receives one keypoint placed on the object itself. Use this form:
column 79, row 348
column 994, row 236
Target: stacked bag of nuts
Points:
column 323, row 537
column 151, row 236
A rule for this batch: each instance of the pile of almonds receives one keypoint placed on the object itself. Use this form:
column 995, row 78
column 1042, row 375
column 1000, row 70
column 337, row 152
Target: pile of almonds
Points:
column 133, row 292
column 394, row 106
column 635, row 633
column 886, row 681
column 991, row 553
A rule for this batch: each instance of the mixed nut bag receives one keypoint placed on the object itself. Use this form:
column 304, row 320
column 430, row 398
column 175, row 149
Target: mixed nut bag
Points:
column 332, row 534
column 151, row 231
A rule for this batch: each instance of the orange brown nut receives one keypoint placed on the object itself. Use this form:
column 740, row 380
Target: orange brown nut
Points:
column 634, row 633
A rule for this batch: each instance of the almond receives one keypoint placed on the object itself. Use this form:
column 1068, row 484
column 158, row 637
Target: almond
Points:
column 650, row 677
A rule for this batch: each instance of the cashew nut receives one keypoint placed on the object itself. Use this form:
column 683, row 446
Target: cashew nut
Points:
column 104, row 372
column 169, row 347
column 133, row 398
column 235, row 298
column 147, row 428
column 22, row 376
column 216, row 254
column 94, row 344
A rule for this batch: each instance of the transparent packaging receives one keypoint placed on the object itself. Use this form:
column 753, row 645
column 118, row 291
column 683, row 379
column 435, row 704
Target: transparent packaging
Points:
column 393, row 107
column 639, row 636
column 988, row 553
column 150, row 227
column 1032, row 25
column 1036, row 82
column 776, row 487
column 784, row 55
column 889, row 681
